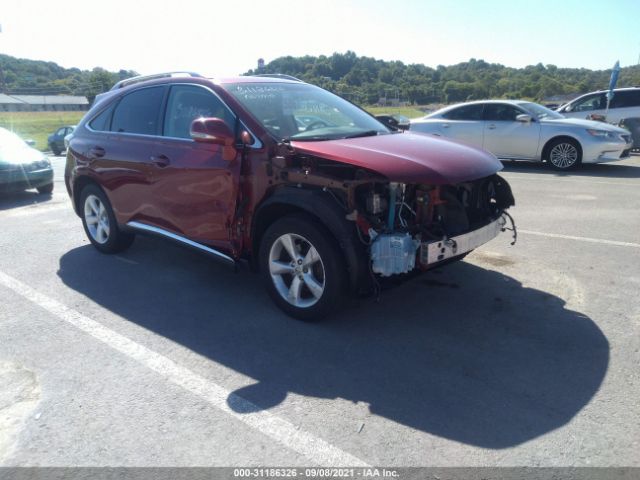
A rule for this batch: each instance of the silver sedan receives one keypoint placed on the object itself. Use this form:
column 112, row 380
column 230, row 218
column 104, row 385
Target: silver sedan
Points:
column 520, row 130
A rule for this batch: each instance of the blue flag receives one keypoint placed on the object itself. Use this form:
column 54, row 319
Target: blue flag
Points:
column 612, row 81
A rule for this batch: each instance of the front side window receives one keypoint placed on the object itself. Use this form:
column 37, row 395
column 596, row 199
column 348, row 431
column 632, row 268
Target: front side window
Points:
column 592, row 102
column 61, row 132
column 467, row 112
column 188, row 102
column 139, row 112
column 299, row 111
column 501, row 112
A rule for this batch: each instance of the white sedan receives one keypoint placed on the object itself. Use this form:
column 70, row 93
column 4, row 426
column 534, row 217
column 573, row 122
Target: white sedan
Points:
column 520, row 130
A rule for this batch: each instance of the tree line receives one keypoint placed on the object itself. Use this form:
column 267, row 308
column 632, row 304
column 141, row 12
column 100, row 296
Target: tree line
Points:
column 366, row 80
column 35, row 77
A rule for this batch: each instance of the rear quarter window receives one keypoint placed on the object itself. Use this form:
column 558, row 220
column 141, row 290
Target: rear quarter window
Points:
column 102, row 121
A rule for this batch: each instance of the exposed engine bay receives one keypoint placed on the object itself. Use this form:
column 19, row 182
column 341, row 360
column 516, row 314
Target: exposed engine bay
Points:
column 406, row 225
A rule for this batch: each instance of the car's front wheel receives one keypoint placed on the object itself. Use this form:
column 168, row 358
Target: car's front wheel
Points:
column 99, row 222
column 302, row 268
column 45, row 189
column 54, row 149
column 564, row 154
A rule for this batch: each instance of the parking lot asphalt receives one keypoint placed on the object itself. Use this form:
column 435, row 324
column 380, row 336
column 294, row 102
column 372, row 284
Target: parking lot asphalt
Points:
column 519, row 355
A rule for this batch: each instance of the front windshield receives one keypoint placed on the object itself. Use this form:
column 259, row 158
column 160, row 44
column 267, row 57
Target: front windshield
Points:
column 299, row 111
column 540, row 112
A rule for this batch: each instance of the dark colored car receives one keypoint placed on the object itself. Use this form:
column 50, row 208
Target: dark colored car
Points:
column 223, row 166
column 23, row 167
column 56, row 139
column 394, row 122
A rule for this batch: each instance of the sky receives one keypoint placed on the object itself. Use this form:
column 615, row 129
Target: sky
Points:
column 219, row 38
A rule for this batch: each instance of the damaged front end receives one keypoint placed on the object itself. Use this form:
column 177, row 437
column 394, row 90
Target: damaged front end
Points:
column 405, row 226
column 422, row 225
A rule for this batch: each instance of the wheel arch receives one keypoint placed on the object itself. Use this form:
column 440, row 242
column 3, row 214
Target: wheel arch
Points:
column 322, row 207
column 547, row 146
column 78, row 185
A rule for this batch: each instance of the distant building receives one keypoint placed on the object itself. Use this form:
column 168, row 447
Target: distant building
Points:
column 42, row 103
column 260, row 65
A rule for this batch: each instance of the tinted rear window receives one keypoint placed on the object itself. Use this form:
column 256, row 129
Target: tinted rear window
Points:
column 467, row 112
column 629, row 98
column 139, row 112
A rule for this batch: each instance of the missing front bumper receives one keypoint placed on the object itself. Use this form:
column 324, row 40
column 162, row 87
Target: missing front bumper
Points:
column 439, row 250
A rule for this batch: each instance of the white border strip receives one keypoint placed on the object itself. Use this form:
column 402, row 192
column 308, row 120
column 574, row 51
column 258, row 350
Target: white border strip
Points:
column 312, row 447
column 581, row 239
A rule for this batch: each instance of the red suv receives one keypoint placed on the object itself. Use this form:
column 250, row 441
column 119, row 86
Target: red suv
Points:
column 320, row 197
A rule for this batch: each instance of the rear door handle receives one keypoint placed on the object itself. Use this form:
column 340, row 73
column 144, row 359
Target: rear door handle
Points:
column 96, row 152
column 491, row 127
column 160, row 160
column 445, row 125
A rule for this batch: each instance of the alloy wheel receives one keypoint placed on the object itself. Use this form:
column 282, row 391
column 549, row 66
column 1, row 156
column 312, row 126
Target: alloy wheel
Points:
column 296, row 270
column 97, row 219
column 563, row 155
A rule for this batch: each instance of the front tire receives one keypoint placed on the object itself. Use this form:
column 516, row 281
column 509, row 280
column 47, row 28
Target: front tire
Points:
column 55, row 150
column 99, row 222
column 45, row 189
column 302, row 268
column 564, row 154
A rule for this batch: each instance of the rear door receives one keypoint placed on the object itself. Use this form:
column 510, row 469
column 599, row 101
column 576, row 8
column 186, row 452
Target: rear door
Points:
column 624, row 104
column 119, row 152
column 464, row 124
column 195, row 185
column 506, row 137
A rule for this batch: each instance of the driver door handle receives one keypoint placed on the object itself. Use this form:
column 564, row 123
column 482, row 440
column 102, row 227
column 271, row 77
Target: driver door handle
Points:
column 491, row 127
column 160, row 160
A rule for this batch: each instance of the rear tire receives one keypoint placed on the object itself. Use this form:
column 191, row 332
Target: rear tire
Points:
column 100, row 223
column 564, row 154
column 45, row 189
column 55, row 150
column 302, row 268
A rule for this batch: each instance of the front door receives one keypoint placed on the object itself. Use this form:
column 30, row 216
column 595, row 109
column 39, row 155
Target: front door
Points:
column 195, row 185
column 506, row 137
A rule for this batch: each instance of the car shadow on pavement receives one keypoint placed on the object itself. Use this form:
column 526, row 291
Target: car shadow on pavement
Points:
column 464, row 353
column 11, row 200
column 604, row 170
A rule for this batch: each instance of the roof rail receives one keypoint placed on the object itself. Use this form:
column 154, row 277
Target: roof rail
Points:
column 143, row 78
column 279, row 75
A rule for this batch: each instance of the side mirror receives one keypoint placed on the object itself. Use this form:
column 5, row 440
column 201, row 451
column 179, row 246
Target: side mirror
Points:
column 246, row 138
column 212, row 130
column 524, row 118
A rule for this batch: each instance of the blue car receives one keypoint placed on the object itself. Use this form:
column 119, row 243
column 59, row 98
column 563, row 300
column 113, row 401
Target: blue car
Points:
column 56, row 139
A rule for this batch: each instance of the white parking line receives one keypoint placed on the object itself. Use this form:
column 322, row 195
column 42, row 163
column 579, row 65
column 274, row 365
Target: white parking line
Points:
column 312, row 447
column 575, row 179
column 581, row 239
